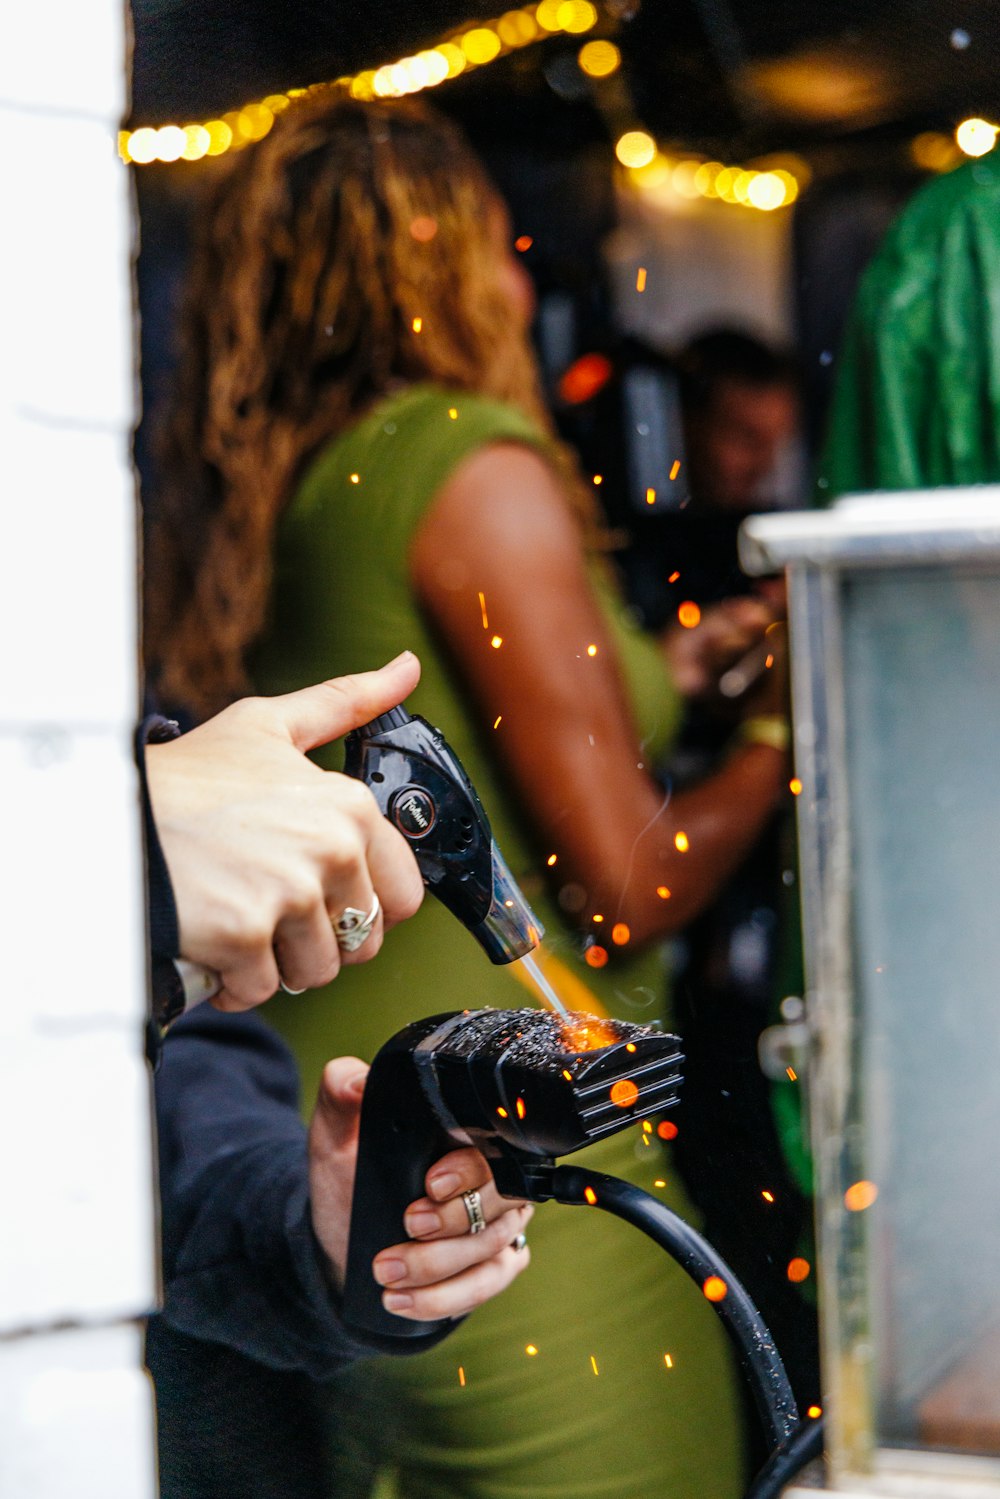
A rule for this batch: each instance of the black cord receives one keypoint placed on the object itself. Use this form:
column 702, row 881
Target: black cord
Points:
column 759, row 1358
column 787, row 1459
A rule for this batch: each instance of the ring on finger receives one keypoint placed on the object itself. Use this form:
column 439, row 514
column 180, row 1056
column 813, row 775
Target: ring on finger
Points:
column 474, row 1211
column 288, row 988
column 519, row 1242
column 352, row 927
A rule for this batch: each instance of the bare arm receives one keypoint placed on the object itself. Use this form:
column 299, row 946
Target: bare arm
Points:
column 568, row 739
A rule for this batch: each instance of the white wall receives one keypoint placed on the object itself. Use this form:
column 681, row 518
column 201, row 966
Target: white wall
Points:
column 76, row 1196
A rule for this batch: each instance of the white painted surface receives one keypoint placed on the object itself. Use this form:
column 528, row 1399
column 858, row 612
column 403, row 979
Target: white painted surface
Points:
column 76, row 1181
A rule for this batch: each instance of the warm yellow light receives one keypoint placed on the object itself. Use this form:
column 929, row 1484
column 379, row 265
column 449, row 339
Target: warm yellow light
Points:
column 170, row 143
column 789, row 182
column 220, row 137
column 517, row 28
column 741, row 186
column 239, row 128
column 599, row 59
column 142, row 145
column 454, row 57
column 592, row 650
column 975, row 137
column 436, row 64
column 480, row 45
column 547, row 15
column 766, row 191
column 934, row 151
column 635, row 149
column 682, row 179
column 277, row 103
column 724, row 184
column 681, row 842
column 363, row 86
column 705, row 178
column 384, row 84
column 196, row 142
column 576, row 16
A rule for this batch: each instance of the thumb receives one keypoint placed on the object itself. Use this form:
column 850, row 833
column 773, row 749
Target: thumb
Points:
column 338, row 1107
column 316, row 715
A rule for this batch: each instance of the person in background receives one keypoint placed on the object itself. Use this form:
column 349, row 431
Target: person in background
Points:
column 359, row 458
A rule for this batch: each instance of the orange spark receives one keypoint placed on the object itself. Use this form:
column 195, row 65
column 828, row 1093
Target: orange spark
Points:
column 590, row 1195
column 659, row 1182
column 593, row 1363
column 798, row 1270
column 620, row 934
column 814, row 1412
column 502, row 1111
column 523, row 242
column 791, row 1074
column 650, row 496
column 663, row 892
column 859, row 1196
column 795, row 786
column 592, row 650
column 355, row 478
column 673, row 577
column 552, row 859
column 598, row 478
column 597, row 917
column 668, row 1361
column 596, row 957
column 689, row 615
column 767, row 1196
column 521, row 1110
column 675, row 468
column 647, row 1128
column 567, row 1075
column 715, row 1288
column 584, row 378
column 496, row 642
column 423, row 228
column 418, row 323
column 624, row 1093
column 461, row 1376
column 769, row 662
column 681, row 841
column 482, row 610
column 453, row 413
column 530, row 1350
column 667, row 1130
column 640, row 279
column 498, row 720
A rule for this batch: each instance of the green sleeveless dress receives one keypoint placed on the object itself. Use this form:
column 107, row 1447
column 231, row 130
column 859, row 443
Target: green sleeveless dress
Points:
column 631, row 1391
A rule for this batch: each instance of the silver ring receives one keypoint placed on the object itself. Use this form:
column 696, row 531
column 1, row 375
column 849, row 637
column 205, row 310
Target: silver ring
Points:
column 474, row 1209
column 352, row 927
column 287, row 987
column 518, row 1242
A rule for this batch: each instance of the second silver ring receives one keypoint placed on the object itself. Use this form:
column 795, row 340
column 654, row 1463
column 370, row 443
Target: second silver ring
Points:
column 474, row 1211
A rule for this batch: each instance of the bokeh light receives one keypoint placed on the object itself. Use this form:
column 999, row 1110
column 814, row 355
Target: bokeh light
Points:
column 635, row 148
column 599, row 59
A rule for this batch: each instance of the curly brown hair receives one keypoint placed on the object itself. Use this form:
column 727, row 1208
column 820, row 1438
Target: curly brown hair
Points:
column 318, row 251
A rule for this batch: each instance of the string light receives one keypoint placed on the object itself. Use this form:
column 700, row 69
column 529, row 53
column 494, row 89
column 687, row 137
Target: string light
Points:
column 688, row 177
column 975, row 137
column 461, row 51
column 599, row 59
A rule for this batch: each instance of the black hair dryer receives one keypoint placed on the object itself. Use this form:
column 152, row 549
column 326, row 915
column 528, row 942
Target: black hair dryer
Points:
column 423, row 790
column 524, row 1086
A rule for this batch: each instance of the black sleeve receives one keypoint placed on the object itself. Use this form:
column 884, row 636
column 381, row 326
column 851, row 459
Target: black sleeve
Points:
column 241, row 1263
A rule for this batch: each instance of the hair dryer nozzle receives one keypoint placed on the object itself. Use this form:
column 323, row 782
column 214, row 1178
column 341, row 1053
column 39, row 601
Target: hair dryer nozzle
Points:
column 524, row 1086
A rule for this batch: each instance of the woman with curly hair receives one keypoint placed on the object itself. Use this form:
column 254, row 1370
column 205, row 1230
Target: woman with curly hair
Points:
column 359, row 461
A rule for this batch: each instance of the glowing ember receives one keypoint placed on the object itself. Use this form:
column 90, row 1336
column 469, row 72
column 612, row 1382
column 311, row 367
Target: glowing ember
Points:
column 769, row 662
column 598, row 478
column 461, row 1376
column 418, row 323
column 590, row 1195
column 640, row 279
column 650, row 496
column 552, row 859
column 860, row 1196
column 624, row 1093
column 798, row 1270
column 502, row 1112
column 715, row 1288
column 675, row 469
column 355, row 478
column 482, row 610
column 496, row 642
column 453, row 413
column 689, row 614
column 593, row 1363
column 530, row 1350
column 523, row 242
column 667, row 1129
column 795, row 786
column 588, row 1034
column 592, row 650
column 668, row 1361
column 597, row 917
column 567, row 1075
column 814, row 1412
column 596, row 957
column 630, row 1046
column 584, row 378
column 663, row 892
column 620, row 934
column 681, row 842
column 767, row 1196
column 521, row 1110
column 791, row 1074
column 673, row 577
column 498, row 720
column 659, row 1182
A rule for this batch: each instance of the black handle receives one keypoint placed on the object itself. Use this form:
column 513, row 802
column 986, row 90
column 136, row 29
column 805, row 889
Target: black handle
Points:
column 400, row 1139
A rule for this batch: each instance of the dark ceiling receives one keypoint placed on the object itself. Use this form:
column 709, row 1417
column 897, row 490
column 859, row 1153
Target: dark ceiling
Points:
column 728, row 76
